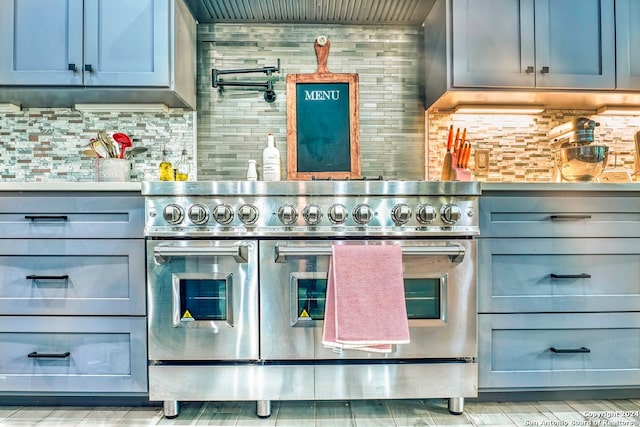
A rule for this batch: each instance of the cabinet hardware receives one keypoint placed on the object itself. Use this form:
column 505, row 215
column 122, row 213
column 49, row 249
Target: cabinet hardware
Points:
column 46, row 217
column 73, row 67
column 529, row 69
column 37, row 277
column 88, row 67
column 545, row 70
column 568, row 217
column 569, row 350
column 35, row 354
column 570, row 276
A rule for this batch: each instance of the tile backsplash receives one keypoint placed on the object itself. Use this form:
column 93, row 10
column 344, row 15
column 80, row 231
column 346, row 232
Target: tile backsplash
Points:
column 47, row 144
column 233, row 124
column 519, row 145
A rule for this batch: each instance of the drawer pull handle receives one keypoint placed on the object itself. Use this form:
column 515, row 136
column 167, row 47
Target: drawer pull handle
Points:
column 35, row 354
column 569, row 217
column 37, row 277
column 570, row 276
column 34, row 218
column 569, row 350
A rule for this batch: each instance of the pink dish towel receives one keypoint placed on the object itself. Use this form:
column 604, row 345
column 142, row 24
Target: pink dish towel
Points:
column 365, row 307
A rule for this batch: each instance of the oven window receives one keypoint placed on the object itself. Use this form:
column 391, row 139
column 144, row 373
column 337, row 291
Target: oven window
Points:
column 423, row 298
column 203, row 299
column 311, row 298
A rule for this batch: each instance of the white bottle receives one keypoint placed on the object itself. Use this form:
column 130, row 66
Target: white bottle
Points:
column 252, row 173
column 271, row 160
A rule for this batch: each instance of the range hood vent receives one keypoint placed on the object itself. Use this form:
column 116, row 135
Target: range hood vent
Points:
column 361, row 12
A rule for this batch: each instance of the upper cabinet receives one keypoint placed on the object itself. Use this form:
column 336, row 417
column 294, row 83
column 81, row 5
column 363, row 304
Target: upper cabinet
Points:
column 102, row 44
column 628, row 44
column 533, row 43
column 546, row 52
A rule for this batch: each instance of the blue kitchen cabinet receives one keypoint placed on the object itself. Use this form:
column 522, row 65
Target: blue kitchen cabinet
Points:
column 628, row 44
column 85, row 42
column 533, row 44
column 58, row 53
column 558, row 289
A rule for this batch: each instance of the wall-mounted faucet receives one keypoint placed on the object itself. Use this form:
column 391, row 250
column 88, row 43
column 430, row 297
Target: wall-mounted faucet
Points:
column 269, row 93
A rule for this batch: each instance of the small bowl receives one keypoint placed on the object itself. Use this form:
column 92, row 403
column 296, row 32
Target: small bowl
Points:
column 583, row 163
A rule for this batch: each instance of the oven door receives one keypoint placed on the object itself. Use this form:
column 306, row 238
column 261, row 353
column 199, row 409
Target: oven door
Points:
column 440, row 295
column 203, row 300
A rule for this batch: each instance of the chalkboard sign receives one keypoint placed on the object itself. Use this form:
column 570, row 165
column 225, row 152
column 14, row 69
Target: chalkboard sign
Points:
column 322, row 123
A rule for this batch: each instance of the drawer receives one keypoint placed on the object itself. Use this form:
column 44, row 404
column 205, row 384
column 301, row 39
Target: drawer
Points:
column 72, row 277
column 49, row 215
column 560, row 215
column 88, row 355
column 558, row 275
column 592, row 350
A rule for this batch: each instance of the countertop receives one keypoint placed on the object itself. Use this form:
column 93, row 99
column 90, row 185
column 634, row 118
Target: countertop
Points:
column 560, row 186
column 486, row 186
column 70, row 186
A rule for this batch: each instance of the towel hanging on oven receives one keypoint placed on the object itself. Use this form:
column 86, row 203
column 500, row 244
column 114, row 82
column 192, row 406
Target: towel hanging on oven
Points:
column 365, row 303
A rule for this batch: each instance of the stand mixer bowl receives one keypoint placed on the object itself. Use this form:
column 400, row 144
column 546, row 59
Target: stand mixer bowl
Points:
column 582, row 163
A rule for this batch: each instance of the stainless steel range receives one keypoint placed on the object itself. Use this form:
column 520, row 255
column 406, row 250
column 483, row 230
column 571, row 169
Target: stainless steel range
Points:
column 237, row 276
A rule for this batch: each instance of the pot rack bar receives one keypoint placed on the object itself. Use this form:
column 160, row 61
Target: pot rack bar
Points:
column 269, row 93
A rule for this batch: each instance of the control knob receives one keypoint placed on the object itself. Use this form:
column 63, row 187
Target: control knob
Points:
column 287, row 214
column 173, row 214
column 248, row 214
column 338, row 214
column 426, row 214
column 312, row 214
column 450, row 214
column 362, row 213
column 401, row 214
column 198, row 214
column 223, row 214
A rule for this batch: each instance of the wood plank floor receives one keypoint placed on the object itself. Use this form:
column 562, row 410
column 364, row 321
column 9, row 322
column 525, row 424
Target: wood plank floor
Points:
column 384, row 413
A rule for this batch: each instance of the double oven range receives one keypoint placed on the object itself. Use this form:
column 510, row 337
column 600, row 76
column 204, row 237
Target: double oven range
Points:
column 237, row 276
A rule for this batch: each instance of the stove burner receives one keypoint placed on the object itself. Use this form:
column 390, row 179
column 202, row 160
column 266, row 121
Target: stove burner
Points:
column 346, row 178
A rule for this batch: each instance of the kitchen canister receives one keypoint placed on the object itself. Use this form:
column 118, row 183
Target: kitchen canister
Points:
column 113, row 170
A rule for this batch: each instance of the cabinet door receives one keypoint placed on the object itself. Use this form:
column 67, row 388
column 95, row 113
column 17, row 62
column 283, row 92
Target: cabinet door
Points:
column 487, row 54
column 127, row 43
column 565, row 275
column 628, row 44
column 40, row 42
column 558, row 351
column 72, row 277
column 73, row 355
column 575, row 42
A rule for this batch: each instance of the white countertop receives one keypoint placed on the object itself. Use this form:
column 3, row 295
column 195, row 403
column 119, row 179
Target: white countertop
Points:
column 70, row 186
column 486, row 186
column 560, row 186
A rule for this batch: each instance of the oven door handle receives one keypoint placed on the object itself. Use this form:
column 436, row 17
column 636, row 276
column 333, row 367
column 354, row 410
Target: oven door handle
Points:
column 164, row 252
column 454, row 252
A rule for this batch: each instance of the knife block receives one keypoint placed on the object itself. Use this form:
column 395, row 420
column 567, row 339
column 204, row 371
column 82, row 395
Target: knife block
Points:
column 458, row 174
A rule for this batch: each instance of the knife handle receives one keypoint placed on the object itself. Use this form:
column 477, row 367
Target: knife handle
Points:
column 461, row 155
column 456, row 145
column 450, row 138
column 467, row 154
